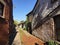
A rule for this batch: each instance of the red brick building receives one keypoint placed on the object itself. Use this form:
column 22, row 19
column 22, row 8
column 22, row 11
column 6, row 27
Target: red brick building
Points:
column 6, row 21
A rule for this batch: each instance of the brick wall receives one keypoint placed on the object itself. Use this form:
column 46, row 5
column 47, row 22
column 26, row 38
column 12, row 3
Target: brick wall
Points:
column 6, row 23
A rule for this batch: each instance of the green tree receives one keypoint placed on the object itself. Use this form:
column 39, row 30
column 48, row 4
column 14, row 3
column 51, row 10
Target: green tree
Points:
column 16, row 22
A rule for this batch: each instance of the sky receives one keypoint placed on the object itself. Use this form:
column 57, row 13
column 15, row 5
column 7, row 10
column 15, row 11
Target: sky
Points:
column 21, row 8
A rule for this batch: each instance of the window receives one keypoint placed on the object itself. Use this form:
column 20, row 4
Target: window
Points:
column 53, row 1
column 1, row 9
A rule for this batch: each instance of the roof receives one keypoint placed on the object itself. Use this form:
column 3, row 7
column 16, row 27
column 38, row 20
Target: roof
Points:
column 35, row 5
column 33, row 9
column 29, row 13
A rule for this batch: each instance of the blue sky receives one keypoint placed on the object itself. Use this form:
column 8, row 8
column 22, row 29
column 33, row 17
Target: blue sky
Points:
column 21, row 8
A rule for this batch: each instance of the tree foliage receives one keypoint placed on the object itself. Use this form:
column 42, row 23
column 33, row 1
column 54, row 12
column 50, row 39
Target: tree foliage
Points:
column 16, row 22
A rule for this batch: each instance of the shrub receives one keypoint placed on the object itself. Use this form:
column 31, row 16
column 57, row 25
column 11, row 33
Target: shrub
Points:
column 51, row 42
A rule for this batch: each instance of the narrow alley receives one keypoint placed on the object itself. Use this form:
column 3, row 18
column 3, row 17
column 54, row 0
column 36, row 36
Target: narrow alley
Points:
column 24, row 38
column 29, row 22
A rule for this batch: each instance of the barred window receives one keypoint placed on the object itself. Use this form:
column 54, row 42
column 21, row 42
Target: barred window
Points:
column 1, row 9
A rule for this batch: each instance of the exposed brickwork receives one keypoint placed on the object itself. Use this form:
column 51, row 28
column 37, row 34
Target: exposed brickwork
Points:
column 6, row 23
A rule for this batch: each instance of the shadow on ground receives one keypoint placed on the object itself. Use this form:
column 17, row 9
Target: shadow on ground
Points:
column 12, row 36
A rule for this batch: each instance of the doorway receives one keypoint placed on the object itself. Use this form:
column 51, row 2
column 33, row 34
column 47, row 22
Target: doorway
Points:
column 57, row 27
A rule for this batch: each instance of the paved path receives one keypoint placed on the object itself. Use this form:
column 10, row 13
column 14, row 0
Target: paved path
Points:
column 17, row 40
column 28, row 39
column 24, row 38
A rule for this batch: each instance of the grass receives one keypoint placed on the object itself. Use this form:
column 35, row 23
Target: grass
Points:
column 27, row 39
column 51, row 42
column 21, row 33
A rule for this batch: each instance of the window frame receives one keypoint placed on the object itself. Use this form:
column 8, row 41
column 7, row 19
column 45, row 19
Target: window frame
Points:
column 2, row 9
